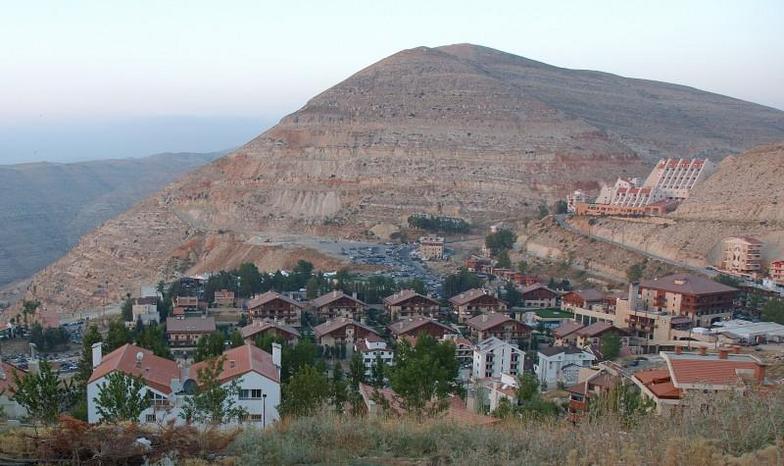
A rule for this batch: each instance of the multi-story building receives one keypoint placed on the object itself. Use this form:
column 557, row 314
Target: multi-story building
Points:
column 186, row 332
column 342, row 330
column 224, row 298
column 408, row 303
column 262, row 328
column 184, row 305
column 702, row 300
column 497, row 325
column 412, row 327
column 566, row 333
column 701, row 372
column 431, row 248
column 586, row 299
column 593, row 334
column 539, row 296
column 475, row 301
column 777, row 271
column 338, row 304
column 276, row 307
column 675, row 178
column 577, row 197
column 168, row 385
column 561, row 365
column 146, row 311
column 479, row 264
column 493, row 357
column 464, row 349
column 373, row 348
column 742, row 256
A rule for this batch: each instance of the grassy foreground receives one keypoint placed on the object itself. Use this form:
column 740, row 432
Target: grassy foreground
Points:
column 738, row 430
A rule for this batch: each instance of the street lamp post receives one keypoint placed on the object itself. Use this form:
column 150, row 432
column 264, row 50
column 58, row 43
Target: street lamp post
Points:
column 264, row 410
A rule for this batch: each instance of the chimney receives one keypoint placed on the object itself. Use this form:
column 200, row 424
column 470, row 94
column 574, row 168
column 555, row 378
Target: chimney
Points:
column 759, row 373
column 354, row 295
column 97, row 354
column 703, row 351
column 276, row 348
column 484, row 317
column 678, row 350
column 232, row 363
column 723, row 353
column 139, row 358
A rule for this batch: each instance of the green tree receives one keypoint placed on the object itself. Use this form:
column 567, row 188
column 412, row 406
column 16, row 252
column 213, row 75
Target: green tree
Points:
column 127, row 308
column 153, row 338
column 773, row 311
column 502, row 240
column 424, row 373
column 611, row 346
column 542, row 211
column 305, row 392
column 235, row 339
column 561, row 207
column 634, row 273
column 503, row 261
column 522, row 267
column 121, row 398
column 356, row 370
column 513, row 297
column 37, row 336
column 41, row 394
column 209, row 346
column 528, row 387
column 304, row 353
column 727, row 280
column 312, row 288
column 504, row 409
column 377, row 373
column 85, row 366
column 213, row 403
column 624, row 400
column 457, row 283
column 265, row 342
column 338, row 391
column 117, row 336
column 250, row 279
column 29, row 308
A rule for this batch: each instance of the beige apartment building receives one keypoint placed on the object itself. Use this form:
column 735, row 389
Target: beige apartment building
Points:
column 742, row 256
column 431, row 248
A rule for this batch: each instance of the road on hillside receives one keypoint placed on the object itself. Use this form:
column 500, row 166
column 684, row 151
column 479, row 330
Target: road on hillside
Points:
column 561, row 221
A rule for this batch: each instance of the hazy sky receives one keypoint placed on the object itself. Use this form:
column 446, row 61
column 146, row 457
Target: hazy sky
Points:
column 124, row 72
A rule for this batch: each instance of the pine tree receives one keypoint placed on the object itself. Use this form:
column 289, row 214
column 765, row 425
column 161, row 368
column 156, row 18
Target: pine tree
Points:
column 213, row 403
column 377, row 373
column 42, row 394
column 357, row 371
column 121, row 398
column 339, row 392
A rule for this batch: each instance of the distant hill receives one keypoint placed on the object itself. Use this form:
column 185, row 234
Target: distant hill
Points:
column 461, row 130
column 46, row 207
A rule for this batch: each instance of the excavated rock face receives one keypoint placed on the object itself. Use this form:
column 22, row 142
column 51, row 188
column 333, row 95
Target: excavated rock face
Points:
column 460, row 130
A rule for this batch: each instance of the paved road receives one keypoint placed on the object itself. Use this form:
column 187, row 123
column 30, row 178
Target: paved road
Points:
column 561, row 221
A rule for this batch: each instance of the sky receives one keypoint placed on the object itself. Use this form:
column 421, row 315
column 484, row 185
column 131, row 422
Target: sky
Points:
column 107, row 79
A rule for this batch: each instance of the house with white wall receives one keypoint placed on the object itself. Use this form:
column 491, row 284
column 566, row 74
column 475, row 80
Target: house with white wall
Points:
column 561, row 364
column 372, row 348
column 493, row 357
column 169, row 384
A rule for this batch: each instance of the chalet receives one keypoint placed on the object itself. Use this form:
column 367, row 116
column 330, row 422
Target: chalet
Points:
column 414, row 326
column 224, row 298
column 184, row 305
column 341, row 330
column 539, row 296
column 262, row 328
column 186, row 332
column 475, row 301
column 498, row 325
column 409, row 303
column 566, row 333
column 338, row 304
column 586, row 298
column 276, row 307
column 703, row 300
column 593, row 334
column 479, row 264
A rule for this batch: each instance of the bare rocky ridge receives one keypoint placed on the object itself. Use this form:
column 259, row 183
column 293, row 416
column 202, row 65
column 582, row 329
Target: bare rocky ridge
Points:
column 461, row 130
column 46, row 207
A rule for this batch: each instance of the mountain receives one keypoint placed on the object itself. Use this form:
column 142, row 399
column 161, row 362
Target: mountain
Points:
column 744, row 197
column 459, row 130
column 46, row 207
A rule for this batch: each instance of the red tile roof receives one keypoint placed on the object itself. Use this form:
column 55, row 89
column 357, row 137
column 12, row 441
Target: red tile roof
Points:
column 468, row 296
column 190, row 325
column 597, row 328
column 404, row 326
column 404, row 295
column 708, row 371
column 156, row 371
column 684, row 283
column 259, row 326
column 240, row 361
column 566, row 328
column 333, row 296
column 484, row 322
column 659, row 383
column 271, row 296
column 336, row 324
column 589, row 294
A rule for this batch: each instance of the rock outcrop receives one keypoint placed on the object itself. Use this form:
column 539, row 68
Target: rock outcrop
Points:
column 460, row 130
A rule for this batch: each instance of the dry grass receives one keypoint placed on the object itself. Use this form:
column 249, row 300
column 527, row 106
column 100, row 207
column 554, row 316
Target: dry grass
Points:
column 738, row 431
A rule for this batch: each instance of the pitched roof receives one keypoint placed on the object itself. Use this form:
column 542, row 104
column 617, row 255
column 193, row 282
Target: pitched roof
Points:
column 659, row 383
column 597, row 328
column 7, row 372
column 190, row 325
column 407, row 325
column 269, row 296
column 470, row 295
column 331, row 325
column 404, row 295
column 260, row 326
column 156, row 371
column 687, row 284
column 589, row 294
column 240, row 361
column 483, row 322
column 332, row 296
column 566, row 328
column 708, row 371
column 553, row 350
column 537, row 286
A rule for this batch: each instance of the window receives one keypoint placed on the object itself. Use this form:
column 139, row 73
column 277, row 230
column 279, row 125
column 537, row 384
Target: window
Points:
column 244, row 394
column 255, row 394
column 150, row 418
column 255, row 418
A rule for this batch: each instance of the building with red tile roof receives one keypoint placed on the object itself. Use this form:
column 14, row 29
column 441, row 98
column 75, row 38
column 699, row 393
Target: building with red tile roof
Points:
column 539, row 296
column 473, row 302
column 703, row 300
column 341, row 330
column 409, row 303
column 275, row 306
column 498, row 325
column 338, row 304
column 415, row 326
column 566, row 333
column 593, row 334
column 259, row 328
column 186, row 332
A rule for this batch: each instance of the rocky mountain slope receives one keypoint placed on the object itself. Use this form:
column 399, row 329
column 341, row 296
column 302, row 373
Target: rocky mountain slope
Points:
column 460, row 130
column 745, row 196
column 45, row 207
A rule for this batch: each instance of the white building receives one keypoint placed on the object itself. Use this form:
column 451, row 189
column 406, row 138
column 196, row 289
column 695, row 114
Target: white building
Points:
column 147, row 313
column 169, row 385
column 431, row 248
column 493, row 356
column 560, row 364
column 371, row 349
